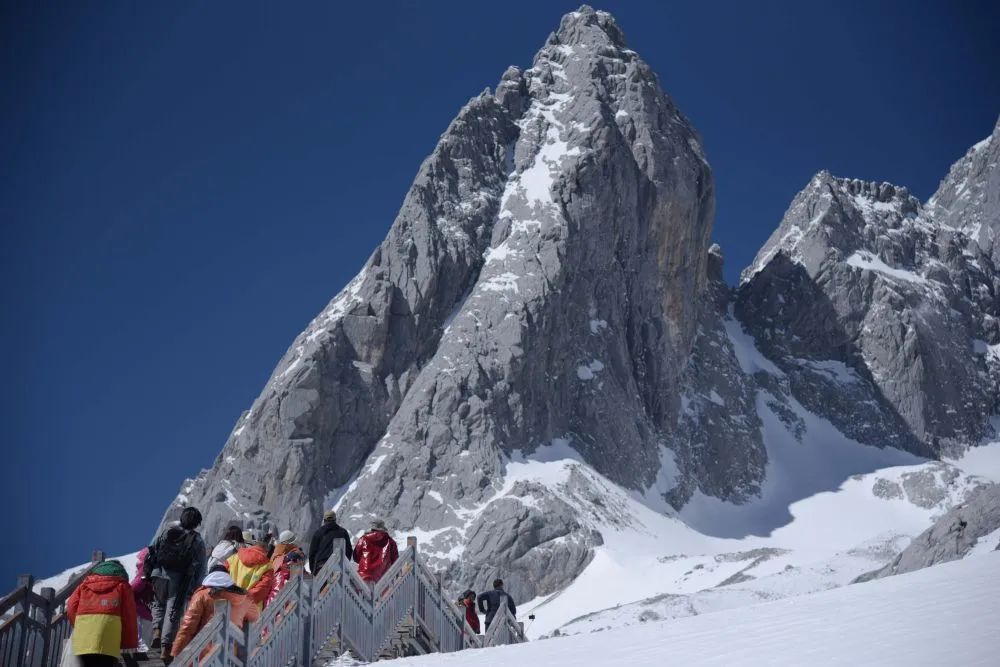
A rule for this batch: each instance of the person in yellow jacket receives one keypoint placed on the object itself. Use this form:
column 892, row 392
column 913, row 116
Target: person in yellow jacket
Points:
column 251, row 570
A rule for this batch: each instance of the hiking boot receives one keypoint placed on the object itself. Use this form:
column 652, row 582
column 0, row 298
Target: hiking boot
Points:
column 154, row 645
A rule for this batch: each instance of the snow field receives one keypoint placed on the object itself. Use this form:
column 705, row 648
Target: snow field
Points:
column 944, row 615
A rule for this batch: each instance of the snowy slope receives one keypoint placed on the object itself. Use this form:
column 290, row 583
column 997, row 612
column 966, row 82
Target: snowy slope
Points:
column 657, row 566
column 57, row 581
column 943, row 615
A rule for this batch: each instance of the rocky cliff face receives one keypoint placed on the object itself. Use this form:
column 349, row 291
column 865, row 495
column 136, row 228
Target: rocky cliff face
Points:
column 541, row 282
column 862, row 276
column 547, row 292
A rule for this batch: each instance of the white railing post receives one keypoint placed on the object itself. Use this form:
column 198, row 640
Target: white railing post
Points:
column 411, row 541
column 222, row 612
column 305, row 615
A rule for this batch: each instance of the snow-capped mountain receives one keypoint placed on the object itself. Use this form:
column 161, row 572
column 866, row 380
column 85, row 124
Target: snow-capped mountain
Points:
column 541, row 373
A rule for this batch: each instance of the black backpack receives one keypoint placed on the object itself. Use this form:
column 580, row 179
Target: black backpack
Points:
column 175, row 549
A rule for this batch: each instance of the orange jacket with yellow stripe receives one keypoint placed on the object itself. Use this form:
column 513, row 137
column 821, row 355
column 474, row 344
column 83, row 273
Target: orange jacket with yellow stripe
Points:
column 102, row 613
column 251, row 570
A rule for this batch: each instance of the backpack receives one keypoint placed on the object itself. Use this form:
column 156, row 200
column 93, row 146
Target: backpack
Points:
column 175, row 549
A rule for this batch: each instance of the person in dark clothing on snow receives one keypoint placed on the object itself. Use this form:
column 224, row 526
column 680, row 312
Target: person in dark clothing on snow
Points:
column 321, row 545
column 175, row 565
column 492, row 601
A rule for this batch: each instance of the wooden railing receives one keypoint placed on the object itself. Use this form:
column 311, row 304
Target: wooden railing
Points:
column 33, row 626
column 329, row 613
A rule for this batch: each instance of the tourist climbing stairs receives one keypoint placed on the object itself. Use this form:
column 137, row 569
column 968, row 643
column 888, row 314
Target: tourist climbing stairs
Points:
column 314, row 619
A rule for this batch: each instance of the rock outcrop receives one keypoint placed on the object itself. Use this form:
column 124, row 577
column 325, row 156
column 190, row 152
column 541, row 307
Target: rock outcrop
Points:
column 951, row 537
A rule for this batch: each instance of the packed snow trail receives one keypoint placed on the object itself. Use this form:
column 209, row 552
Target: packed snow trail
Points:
column 944, row 615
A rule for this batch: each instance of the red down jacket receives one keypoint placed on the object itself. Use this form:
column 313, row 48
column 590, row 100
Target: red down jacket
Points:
column 375, row 553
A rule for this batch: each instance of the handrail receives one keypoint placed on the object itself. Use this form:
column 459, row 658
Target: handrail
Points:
column 33, row 626
column 332, row 611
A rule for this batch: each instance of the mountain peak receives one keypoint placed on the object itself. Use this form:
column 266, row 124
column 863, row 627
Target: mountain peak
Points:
column 588, row 27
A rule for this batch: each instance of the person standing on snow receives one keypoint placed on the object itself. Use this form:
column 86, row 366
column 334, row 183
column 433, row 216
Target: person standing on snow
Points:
column 375, row 552
column 102, row 613
column 321, row 544
column 230, row 543
column 176, row 565
column 251, row 570
column 216, row 587
column 492, row 601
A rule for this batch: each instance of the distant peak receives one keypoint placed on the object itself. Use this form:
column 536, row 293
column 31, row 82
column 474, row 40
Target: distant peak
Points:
column 874, row 190
column 588, row 27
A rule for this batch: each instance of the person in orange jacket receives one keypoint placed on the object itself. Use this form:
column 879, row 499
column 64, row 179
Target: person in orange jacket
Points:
column 251, row 570
column 102, row 613
column 216, row 587
column 375, row 552
column 287, row 555
column 285, row 545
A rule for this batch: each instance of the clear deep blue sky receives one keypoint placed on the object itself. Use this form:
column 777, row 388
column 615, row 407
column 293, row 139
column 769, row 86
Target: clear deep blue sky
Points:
column 184, row 185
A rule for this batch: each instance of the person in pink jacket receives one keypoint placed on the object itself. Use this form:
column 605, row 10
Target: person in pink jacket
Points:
column 142, row 590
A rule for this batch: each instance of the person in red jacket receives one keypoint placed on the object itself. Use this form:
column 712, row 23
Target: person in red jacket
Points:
column 468, row 601
column 375, row 552
column 102, row 613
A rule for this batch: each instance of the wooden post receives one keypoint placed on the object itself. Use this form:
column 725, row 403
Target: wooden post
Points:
column 25, row 581
column 48, row 645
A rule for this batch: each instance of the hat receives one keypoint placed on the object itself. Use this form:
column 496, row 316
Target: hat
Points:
column 286, row 537
column 379, row 524
column 111, row 568
column 249, row 537
column 218, row 580
column 330, row 515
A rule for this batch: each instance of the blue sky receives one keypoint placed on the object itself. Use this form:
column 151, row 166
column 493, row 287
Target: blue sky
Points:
column 184, row 185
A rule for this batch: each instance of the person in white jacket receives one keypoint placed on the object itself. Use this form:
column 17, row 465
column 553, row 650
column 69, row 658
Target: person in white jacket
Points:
column 230, row 543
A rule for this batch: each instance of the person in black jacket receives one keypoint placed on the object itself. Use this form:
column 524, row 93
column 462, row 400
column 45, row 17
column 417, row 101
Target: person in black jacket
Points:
column 321, row 545
column 491, row 602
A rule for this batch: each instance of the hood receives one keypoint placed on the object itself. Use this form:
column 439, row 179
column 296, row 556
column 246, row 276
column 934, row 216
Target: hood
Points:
column 379, row 538
column 253, row 556
column 101, row 584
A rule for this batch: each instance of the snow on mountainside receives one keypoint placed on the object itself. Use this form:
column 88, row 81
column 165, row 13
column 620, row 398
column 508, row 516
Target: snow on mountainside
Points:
column 940, row 616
